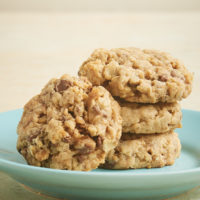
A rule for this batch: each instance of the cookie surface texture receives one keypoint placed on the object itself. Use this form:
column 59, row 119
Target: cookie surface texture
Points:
column 137, row 75
column 69, row 125
column 135, row 151
column 150, row 118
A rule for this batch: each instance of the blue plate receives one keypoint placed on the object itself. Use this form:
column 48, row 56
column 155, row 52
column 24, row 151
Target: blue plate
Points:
column 106, row 184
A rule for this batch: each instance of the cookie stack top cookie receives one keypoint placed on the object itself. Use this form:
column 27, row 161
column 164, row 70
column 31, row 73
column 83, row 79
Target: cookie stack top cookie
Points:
column 147, row 85
column 136, row 75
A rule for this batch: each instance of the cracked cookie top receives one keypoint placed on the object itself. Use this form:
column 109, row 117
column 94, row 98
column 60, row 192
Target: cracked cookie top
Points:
column 69, row 125
column 138, row 75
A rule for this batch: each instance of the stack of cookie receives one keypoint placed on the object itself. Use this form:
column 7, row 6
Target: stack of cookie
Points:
column 74, row 123
column 148, row 85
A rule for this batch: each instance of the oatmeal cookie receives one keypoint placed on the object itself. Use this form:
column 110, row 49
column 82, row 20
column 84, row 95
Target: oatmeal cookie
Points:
column 139, row 151
column 69, row 125
column 136, row 75
column 150, row 118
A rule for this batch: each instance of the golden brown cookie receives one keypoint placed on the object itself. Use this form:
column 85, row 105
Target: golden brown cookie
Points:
column 136, row 75
column 69, row 125
column 144, row 151
column 150, row 118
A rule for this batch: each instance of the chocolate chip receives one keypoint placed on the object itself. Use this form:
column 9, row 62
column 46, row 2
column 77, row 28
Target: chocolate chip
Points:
column 98, row 140
column 106, row 83
column 108, row 165
column 81, row 129
column 117, row 152
column 42, row 118
column 149, row 152
column 41, row 115
column 80, row 158
column 71, row 147
column 163, row 78
column 137, row 93
column 63, row 85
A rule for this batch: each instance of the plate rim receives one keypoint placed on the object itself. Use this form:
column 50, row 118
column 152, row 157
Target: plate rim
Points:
column 118, row 173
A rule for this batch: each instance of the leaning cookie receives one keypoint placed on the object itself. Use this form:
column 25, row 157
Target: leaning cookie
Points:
column 150, row 118
column 136, row 75
column 149, row 151
column 69, row 125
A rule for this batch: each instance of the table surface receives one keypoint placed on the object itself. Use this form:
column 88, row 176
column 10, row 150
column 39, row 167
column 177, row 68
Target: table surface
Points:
column 35, row 47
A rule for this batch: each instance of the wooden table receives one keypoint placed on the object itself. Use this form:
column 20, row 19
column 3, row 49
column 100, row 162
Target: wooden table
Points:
column 35, row 47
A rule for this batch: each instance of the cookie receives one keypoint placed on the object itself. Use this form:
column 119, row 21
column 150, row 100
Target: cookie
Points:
column 140, row 76
column 69, row 125
column 139, row 151
column 150, row 118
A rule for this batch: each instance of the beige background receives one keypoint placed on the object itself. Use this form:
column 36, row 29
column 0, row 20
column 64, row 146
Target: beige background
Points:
column 44, row 39
column 99, row 5
column 35, row 47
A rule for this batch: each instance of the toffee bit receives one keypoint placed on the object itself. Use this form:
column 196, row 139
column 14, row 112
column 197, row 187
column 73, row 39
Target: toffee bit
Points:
column 63, row 85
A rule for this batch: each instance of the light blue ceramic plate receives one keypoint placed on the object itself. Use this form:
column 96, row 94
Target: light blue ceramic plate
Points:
column 106, row 184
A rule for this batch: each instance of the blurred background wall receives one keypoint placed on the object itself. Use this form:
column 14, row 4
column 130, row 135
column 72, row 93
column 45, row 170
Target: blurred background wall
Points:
column 99, row 5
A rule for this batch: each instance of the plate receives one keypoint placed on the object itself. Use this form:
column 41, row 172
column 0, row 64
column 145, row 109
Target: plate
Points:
column 159, row 183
